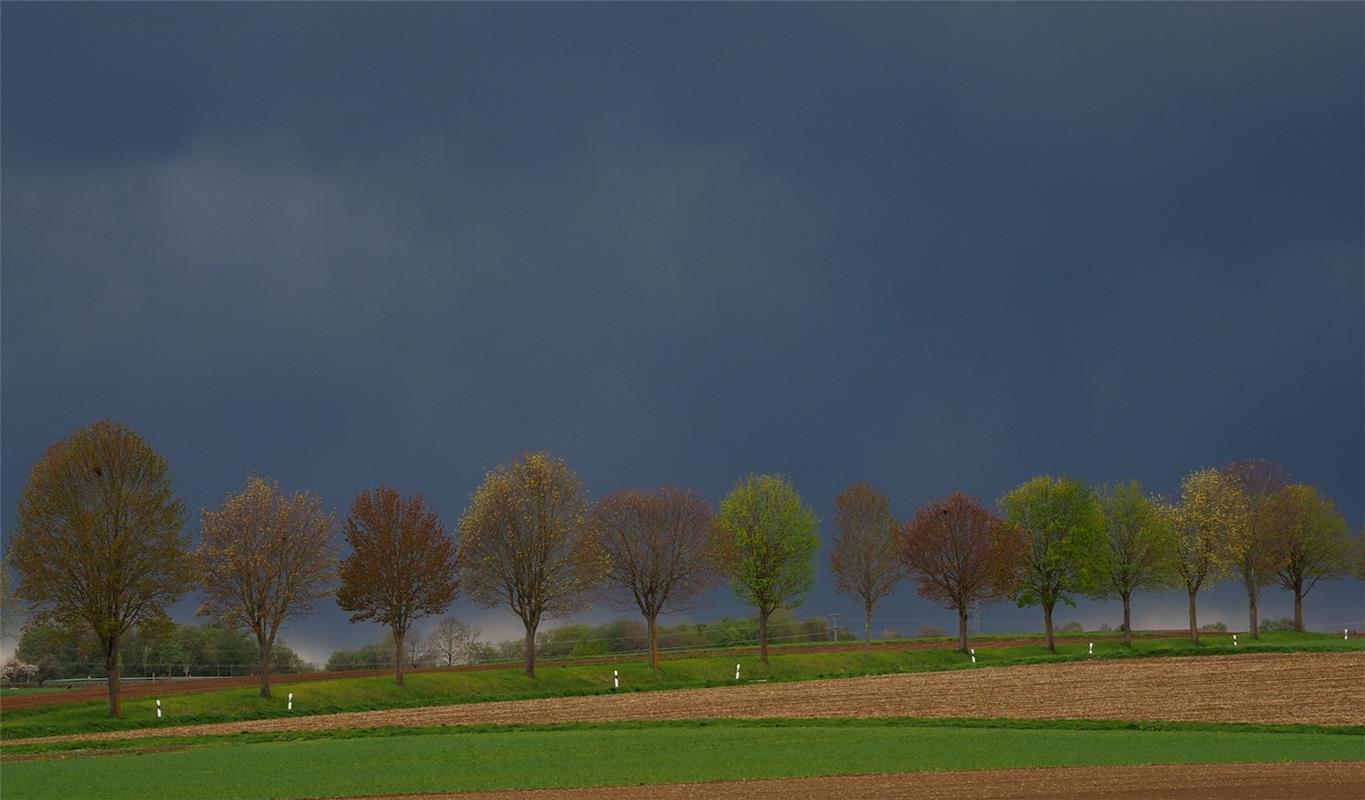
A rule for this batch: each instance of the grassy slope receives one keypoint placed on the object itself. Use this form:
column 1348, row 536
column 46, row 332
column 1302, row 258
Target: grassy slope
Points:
column 435, row 688
column 600, row 755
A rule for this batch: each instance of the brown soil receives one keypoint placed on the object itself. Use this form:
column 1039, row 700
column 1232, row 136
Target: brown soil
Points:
column 1306, row 688
column 1320, row 780
column 173, row 686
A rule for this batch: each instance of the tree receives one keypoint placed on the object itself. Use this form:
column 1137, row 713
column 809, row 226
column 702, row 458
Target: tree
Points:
column 662, row 547
column 453, row 642
column 1212, row 512
column 771, row 538
column 1310, row 534
column 10, row 610
column 864, row 556
column 402, row 564
column 527, row 543
column 1253, row 557
column 1065, row 542
column 99, row 538
column 961, row 555
column 1139, row 548
column 264, row 557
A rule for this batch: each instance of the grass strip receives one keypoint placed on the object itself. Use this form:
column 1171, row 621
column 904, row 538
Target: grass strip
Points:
column 449, row 688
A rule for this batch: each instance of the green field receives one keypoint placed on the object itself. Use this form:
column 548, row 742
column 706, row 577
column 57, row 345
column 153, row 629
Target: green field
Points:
column 552, row 680
column 579, row 755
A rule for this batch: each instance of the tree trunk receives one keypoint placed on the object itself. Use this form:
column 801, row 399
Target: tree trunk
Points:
column 962, row 629
column 1255, row 628
column 1127, row 619
column 1047, row 626
column 265, row 664
column 530, row 649
column 1194, row 623
column 111, row 667
column 653, row 643
column 398, row 661
column 763, row 635
column 1298, row 606
column 867, row 630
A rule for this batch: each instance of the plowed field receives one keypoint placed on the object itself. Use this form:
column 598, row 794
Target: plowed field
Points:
column 1322, row 688
column 1322, row 781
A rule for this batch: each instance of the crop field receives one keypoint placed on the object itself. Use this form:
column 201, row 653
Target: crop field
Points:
column 1244, row 724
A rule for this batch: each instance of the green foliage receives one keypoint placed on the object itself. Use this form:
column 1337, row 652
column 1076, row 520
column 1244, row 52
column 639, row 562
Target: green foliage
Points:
column 1140, row 547
column 1065, row 539
column 772, row 538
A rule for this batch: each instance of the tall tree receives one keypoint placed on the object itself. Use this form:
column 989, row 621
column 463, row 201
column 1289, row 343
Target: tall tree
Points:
column 527, row 543
column 402, row 564
column 1139, row 550
column 1065, row 543
column 864, row 557
column 1212, row 512
column 1253, row 557
column 99, row 538
column 10, row 610
column 1311, row 536
column 453, row 642
column 663, row 550
column 961, row 555
column 265, row 557
column 771, row 537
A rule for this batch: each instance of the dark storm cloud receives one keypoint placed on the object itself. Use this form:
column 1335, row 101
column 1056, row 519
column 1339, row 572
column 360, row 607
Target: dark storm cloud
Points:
column 932, row 247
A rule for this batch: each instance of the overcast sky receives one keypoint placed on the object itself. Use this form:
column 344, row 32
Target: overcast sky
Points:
column 931, row 247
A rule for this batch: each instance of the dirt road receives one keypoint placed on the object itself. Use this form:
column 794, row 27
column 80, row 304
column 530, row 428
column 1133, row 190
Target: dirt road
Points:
column 1309, row 688
column 1320, row 780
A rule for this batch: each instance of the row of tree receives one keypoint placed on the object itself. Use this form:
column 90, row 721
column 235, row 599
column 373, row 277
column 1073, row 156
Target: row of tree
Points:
column 452, row 642
column 53, row 652
column 100, row 544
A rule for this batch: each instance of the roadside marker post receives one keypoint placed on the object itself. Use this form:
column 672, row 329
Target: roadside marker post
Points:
column 291, row 702
column 1234, row 640
column 1092, row 648
column 736, row 672
column 973, row 651
column 615, row 680
column 158, row 709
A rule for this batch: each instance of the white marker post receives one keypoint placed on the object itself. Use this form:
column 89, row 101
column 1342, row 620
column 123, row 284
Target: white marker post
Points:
column 1234, row 640
column 736, row 672
column 1092, row 648
column 615, row 680
column 158, row 709
column 291, row 701
column 973, row 651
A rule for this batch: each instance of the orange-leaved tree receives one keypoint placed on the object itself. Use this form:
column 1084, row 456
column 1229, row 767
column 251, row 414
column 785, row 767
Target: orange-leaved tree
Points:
column 961, row 555
column 403, row 565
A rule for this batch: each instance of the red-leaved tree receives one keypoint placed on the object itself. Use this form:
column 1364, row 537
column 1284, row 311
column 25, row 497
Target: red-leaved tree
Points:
column 402, row 564
column 961, row 554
